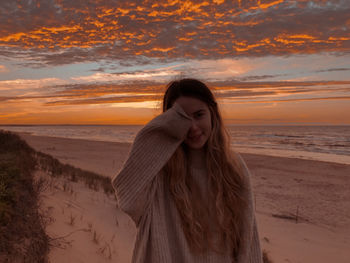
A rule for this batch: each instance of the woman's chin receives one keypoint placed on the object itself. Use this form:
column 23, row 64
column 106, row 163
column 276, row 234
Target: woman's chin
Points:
column 195, row 145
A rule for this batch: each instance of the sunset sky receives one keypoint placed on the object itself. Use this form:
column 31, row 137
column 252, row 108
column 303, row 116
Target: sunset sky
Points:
column 108, row 61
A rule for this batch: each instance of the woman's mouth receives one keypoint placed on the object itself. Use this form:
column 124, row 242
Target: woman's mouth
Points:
column 195, row 138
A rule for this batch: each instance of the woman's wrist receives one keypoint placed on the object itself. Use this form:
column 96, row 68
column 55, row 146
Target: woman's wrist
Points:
column 180, row 110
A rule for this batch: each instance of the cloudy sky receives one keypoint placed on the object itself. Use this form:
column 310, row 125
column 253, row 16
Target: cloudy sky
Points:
column 108, row 61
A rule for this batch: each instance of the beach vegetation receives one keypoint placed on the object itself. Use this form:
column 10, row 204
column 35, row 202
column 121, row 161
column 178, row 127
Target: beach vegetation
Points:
column 96, row 238
column 106, row 251
column 89, row 226
column 22, row 226
column 266, row 258
column 55, row 168
column 72, row 220
column 23, row 238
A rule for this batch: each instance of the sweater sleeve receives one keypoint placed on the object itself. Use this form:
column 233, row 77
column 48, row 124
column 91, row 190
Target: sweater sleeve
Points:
column 153, row 146
column 255, row 255
column 250, row 250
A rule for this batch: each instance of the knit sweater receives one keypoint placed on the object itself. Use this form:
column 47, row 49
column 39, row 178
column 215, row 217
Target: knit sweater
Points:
column 143, row 193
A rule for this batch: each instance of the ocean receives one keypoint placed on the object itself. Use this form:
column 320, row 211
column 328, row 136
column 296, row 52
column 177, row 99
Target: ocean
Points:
column 325, row 143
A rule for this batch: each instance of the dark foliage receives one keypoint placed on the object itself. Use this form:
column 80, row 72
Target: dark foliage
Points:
column 22, row 238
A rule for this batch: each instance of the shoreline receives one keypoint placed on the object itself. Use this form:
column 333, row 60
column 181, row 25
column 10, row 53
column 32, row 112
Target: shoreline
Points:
column 122, row 149
column 304, row 155
column 281, row 146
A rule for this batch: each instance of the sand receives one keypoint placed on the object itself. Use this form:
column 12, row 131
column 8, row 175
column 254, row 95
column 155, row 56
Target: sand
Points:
column 97, row 231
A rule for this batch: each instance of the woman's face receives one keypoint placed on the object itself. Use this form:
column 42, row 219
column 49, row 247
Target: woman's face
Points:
column 200, row 130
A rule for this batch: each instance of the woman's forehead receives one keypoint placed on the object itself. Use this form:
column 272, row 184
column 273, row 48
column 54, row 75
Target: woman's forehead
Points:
column 191, row 104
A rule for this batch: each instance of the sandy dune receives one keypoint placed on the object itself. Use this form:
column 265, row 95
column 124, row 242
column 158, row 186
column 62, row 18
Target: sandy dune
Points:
column 86, row 225
column 98, row 232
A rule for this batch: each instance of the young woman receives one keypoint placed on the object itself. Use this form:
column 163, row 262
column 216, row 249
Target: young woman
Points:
column 188, row 193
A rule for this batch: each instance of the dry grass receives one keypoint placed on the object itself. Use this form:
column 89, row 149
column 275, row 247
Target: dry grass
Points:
column 22, row 238
column 266, row 258
column 292, row 217
column 106, row 251
column 90, row 226
column 72, row 220
column 55, row 168
column 96, row 238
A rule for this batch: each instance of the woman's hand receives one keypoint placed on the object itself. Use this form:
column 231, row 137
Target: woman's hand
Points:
column 200, row 115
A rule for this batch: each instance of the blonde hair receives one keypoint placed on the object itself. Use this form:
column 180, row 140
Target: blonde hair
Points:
column 226, row 182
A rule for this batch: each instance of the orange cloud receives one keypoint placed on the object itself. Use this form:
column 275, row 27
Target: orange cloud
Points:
column 139, row 101
column 142, row 91
column 64, row 32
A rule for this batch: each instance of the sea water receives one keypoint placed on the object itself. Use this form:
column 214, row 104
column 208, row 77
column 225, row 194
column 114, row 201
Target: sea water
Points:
column 326, row 143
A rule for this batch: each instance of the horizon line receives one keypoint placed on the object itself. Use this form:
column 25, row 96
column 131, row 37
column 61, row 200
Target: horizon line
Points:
column 227, row 124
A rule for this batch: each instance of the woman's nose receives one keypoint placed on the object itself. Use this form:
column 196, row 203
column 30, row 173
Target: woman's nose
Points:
column 194, row 127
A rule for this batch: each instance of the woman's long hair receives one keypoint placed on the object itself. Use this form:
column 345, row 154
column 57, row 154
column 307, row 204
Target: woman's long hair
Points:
column 226, row 182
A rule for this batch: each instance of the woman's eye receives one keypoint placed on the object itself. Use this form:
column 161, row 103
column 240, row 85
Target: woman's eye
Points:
column 198, row 115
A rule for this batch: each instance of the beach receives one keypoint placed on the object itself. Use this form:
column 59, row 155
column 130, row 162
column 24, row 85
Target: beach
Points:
column 302, row 206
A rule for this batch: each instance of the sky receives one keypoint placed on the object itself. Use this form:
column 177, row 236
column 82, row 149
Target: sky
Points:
column 109, row 61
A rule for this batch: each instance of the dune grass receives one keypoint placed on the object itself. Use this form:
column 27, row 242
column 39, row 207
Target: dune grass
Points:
column 266, row 258
column 55, row 168
column 23, row 238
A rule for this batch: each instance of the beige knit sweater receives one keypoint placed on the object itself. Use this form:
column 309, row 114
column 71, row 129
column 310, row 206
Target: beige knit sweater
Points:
column 143, row 193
